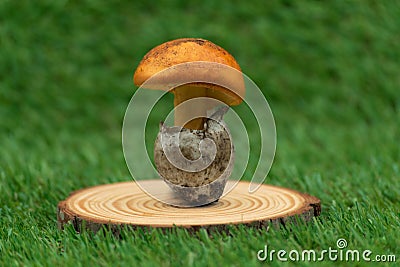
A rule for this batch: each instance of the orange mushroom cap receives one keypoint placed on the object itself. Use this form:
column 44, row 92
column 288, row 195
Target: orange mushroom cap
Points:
column 195, row 50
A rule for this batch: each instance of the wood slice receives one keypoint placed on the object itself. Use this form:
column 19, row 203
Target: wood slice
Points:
column 125, row 204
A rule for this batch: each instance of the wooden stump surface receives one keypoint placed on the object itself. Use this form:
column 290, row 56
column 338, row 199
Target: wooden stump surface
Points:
column 126, row 204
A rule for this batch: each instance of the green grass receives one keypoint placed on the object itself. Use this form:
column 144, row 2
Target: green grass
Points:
column 329, row 70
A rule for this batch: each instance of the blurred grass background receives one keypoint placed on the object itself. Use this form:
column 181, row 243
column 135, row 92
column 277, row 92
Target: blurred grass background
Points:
column 331, row 74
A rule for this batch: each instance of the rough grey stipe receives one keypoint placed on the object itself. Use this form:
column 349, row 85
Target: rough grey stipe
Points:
column 207, row 184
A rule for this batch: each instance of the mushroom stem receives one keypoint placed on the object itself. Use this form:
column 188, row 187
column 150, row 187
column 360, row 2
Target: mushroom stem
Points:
column 191, row 115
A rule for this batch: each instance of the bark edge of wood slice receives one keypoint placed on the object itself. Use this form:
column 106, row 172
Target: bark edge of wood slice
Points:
column 124, row 204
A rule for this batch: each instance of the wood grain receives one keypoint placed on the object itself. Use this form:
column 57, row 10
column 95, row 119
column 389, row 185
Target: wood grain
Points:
column 125, row 204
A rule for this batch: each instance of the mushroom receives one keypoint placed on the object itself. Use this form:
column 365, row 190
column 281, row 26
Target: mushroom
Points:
column 195, row 139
